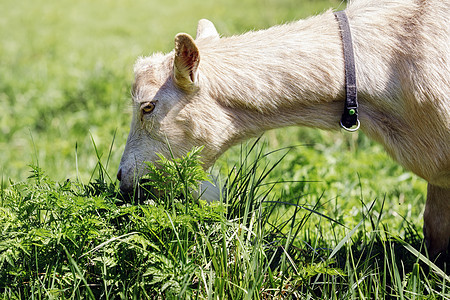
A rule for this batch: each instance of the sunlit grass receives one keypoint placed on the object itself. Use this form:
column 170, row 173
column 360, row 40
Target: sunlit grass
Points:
column 335, row 218
column 69, row 240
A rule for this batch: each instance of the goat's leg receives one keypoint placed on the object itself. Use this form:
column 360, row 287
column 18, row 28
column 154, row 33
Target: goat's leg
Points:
column 437, row 220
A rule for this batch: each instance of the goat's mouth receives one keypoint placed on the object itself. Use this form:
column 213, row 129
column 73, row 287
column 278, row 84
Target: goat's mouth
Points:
column 137, row 190
column 140, row 192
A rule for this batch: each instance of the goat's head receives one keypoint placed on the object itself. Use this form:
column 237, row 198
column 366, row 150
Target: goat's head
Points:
column 172, row 107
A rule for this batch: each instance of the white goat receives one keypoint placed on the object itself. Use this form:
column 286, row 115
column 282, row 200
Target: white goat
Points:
column 217, row 91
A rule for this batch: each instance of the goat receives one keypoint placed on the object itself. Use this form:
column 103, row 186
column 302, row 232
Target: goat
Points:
column 218, row 91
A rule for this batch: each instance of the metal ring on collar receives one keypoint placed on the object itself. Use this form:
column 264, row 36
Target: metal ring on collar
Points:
column 351, row 129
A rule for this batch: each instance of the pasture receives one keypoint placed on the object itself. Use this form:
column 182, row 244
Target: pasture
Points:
column 335, row 218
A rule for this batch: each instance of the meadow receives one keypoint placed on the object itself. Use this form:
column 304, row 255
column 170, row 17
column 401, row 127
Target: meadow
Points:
column 305, row 214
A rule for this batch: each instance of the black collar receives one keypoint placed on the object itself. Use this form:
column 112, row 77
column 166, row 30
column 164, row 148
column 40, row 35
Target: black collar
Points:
column 349, row 118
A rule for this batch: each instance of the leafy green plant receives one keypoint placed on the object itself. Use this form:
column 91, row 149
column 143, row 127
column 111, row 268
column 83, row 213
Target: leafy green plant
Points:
column 175, row 177
column 68, row 240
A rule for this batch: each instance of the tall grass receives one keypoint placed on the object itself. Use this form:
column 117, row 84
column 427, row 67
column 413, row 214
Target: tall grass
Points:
column 69, row 240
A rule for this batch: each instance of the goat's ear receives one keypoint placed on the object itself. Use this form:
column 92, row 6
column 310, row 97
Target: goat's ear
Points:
column 206, row 29
column 187, row 59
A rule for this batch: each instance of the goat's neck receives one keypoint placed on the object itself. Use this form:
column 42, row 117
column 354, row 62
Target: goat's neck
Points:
column 287, row 75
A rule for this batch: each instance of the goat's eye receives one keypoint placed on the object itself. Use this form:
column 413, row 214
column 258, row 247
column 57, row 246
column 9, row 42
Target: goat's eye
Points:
column 147, row 107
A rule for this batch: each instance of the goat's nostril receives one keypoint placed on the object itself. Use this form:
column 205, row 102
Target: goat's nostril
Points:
column 119, row 175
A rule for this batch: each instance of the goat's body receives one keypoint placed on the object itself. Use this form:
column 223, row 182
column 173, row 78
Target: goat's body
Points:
column 293, row 74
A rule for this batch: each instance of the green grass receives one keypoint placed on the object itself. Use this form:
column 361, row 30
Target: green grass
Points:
column 335, row 218
column 68, row 240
